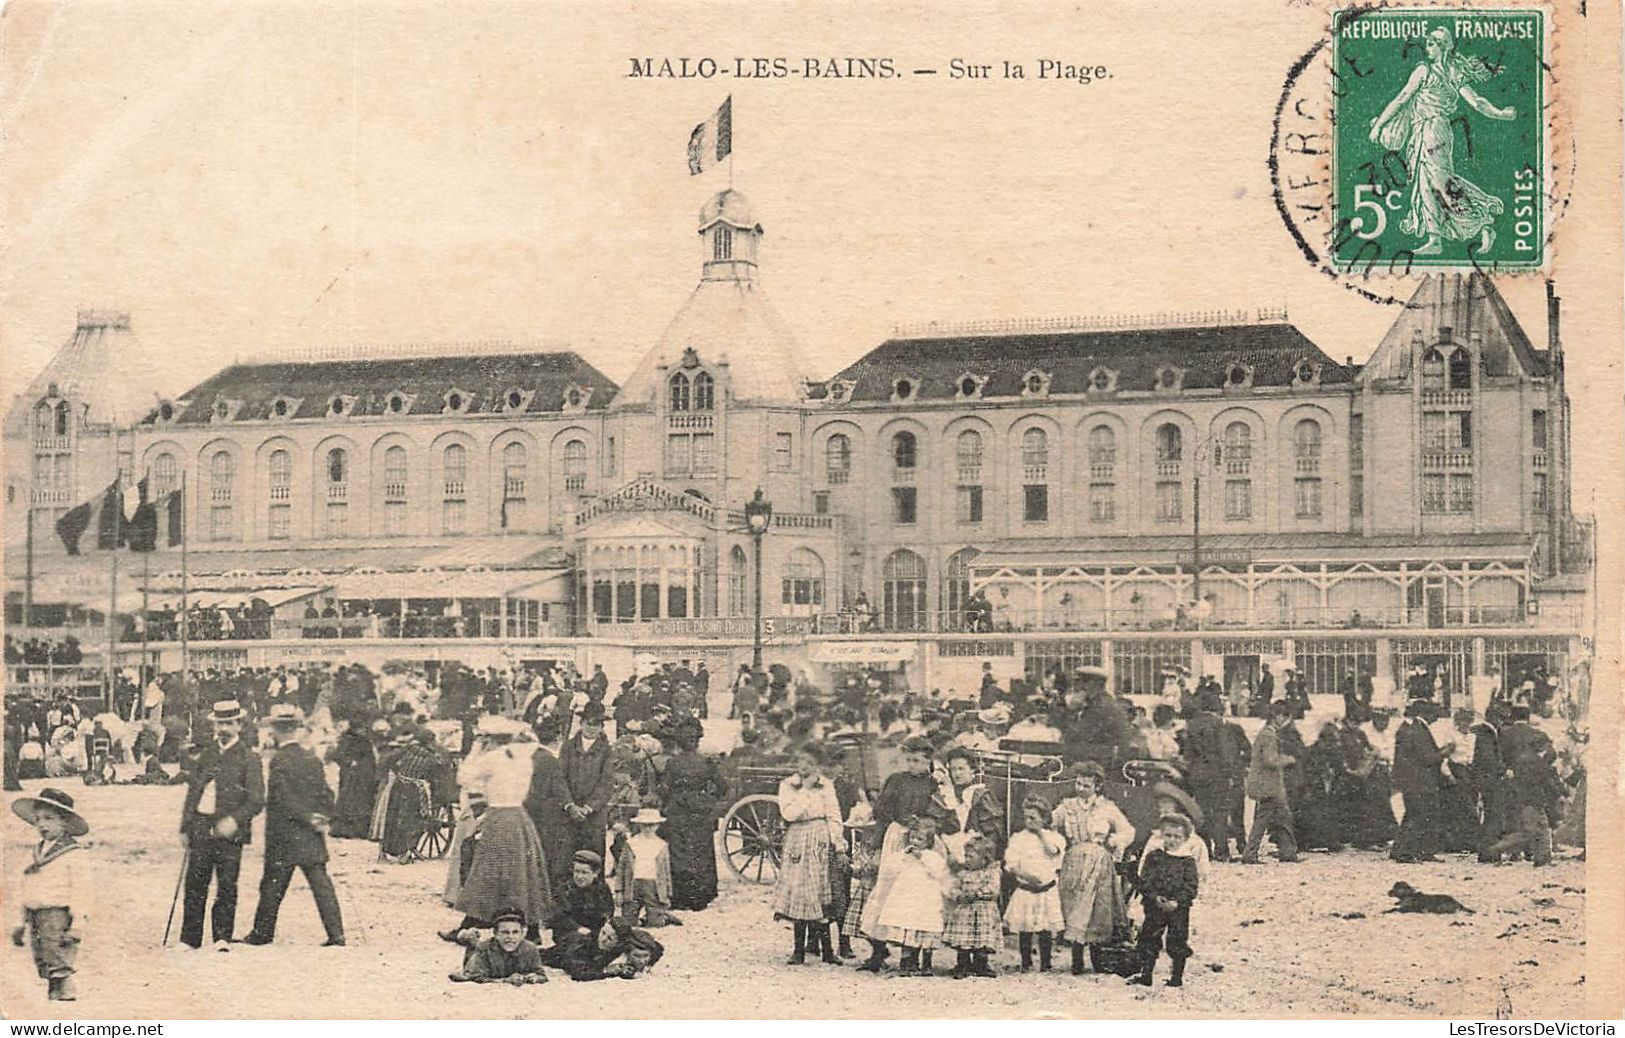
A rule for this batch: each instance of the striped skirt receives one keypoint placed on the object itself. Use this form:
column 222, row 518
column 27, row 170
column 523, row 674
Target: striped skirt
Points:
column 802, row 892
column 852, row 922
column 974, row 926
column 509, row 869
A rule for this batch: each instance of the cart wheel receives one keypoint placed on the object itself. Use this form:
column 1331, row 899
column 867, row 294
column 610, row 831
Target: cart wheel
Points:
column 436, row 838
column 752, row 836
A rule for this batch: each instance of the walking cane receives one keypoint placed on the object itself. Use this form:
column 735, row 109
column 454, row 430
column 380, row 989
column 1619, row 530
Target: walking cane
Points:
column 186, row 857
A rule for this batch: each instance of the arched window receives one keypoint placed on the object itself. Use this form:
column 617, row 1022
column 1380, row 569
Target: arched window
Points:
column 280, row 467
column 1306, row 439
column 904, row 451
column 679, row 392
column 44, row 421
column 222, row 490
column 514, row 465
column 61, row 418
column 1034, row 453
column 165, row 474
column 454, row 488
column 738, row 580
column 338, row 466
column 968, row 452
column 395, row 473
column 1170, row 443
column 575, row 466
column 956, row 592
column 722, row 243
column 803, row 583
column 1102, row 451
column 1461, row 369
column 705, row 392
column 1433, row 371
column 1238, row 447
column 837, row 458
column 903, row 591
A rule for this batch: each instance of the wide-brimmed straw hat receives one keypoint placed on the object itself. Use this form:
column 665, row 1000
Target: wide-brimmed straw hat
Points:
column 285, row 715
column 648, row 816
column 227, row 710
column 25, row 806
column 1187, row 803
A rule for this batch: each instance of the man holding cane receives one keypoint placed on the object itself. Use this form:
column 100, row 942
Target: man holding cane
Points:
column 225, row 791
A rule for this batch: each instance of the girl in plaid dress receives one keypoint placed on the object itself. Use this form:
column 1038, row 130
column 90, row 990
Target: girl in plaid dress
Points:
column 973, row 927
column 865, row 867
column 1097, row 834
column 808, row 806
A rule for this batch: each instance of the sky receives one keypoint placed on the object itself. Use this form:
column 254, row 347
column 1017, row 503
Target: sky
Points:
column 251, row 180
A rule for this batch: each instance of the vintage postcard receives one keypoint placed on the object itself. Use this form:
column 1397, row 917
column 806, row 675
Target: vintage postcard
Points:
column 553, row 510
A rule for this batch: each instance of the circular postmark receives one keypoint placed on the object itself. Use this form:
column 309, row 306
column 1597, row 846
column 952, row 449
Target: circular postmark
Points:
column 1397, row 202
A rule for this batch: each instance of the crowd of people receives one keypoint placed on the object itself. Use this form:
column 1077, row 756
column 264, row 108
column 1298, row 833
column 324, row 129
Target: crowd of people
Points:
column 580, row 819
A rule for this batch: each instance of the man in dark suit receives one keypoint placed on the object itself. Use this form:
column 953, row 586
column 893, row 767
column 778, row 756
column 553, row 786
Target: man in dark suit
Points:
column 224, row 793
column 546, row 799
column 1419, row 781
column 598, row 684
column 1489, row 774
column 1210, row 758
column 587, row 780
column 298, row 807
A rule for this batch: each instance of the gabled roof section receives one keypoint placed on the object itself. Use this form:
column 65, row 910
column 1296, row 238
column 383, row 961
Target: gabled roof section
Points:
column 1467, row 305
column 1272, row 350
column 425, row 381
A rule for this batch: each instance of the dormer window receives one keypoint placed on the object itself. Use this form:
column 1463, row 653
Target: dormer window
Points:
column 970, row 386
column 1238, row 376
column 224, row 410
column 576, row 397
column 1035, row 383
column 903, row 389
column 515, row 400
column 396, row 404
column 1103, row 380
column 457, row 401
column 840, row 390
column 340, row 405
column 1306, row 373
column 1170, row 378
column 166, row 411
column 280, row 409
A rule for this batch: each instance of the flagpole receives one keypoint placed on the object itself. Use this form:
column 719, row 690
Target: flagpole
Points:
column 146, row 616
column 182, row 616
column 112, row 585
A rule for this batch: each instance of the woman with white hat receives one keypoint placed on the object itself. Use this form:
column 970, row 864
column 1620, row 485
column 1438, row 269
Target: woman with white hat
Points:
column 509, row 869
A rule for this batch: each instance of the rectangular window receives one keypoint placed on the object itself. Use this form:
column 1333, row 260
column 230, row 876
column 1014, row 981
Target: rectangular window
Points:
column 1432, row 495
column 801, row 591
column 276, row 528
column 395, row 518
column 677, row 453
column 1102, row 503
column 705, row 460
column 783, row 451
column 513, row 514
column 1035, row 503
column 220, row 523
column 1461, row 493
column 337, row 518
column 1538, row 425
column 1308, row 498
column 820, row 502
column 1357, row 499
column 1356, row 439
column 970, row 504
column 1238, row 499
column 904, row 505
column 451, row 517
column 1539, row 502
column 609, row 456
column 1170, row 502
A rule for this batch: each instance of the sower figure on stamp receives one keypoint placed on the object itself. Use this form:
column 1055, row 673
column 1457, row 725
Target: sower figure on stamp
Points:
column 225, row 792
column 298, row 809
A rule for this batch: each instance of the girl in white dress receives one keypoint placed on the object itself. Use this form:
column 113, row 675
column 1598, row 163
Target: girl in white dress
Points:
column 1033, row 860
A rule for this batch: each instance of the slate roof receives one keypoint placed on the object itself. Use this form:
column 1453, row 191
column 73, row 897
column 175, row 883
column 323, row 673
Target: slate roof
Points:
column 1136, row 354
column 487, row 379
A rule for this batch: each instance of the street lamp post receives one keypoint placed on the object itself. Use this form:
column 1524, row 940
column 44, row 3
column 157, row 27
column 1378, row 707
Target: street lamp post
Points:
column 758, row 516
column 1213, row 445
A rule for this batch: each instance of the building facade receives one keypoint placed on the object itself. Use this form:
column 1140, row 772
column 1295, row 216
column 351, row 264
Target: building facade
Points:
column 1211, row 489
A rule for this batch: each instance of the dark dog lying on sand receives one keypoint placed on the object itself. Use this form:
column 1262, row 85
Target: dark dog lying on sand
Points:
column 1412, row 900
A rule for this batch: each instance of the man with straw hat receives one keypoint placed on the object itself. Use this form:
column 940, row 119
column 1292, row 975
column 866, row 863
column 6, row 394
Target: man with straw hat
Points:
column 226, row 790
column 298, row 810
column 54, row 885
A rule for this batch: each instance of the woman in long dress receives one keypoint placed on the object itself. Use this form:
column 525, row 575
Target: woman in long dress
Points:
column 691, row 788
column 358, row 779
column 1097, row 834
column 509, row 868
column 813, row 816
column 406, row 794
column 1417, row 124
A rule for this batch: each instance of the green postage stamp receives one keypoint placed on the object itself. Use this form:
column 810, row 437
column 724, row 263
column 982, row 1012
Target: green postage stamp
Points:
column 1439, row 158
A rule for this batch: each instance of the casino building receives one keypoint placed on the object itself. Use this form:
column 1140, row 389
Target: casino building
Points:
column 1212, row 490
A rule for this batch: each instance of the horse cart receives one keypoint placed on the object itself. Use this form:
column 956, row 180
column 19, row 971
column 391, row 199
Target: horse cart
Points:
column 753, row 831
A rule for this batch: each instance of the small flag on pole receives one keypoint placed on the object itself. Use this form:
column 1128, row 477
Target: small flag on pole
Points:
column 712, row 140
